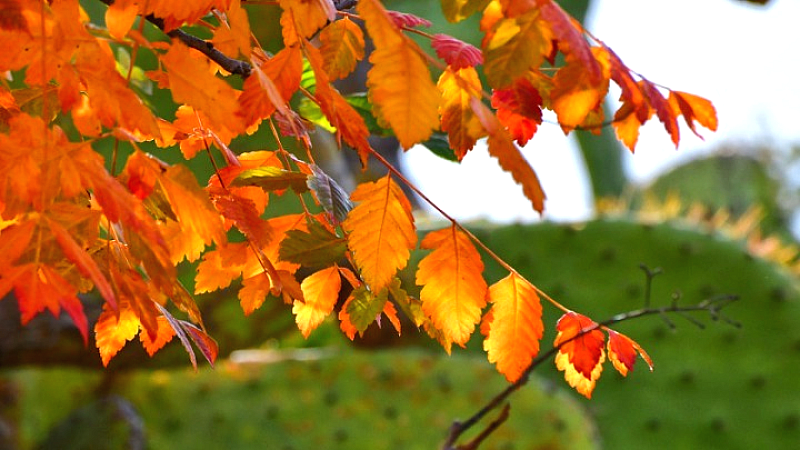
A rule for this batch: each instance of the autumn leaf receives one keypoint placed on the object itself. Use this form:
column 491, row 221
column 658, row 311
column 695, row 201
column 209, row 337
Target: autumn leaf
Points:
column 576, row 92
column 622, row 352
column 302, row 19
column 580, row 351
column 516, row 45
column 233, row 37
column 363, row 307
column 519, row 109
column 380, row 231
column 317, row 247
column 515, row 326
column 271, row 85
column 330, row 195
column 570, row 39
column 254, row 291
column 342, row 48
column 458, row 10
column 457, row 54
column 463, row 127
column 163, row 336
column 695, row 109
column 272, row 179
column 401, row 19
column 666, row 112
column 320, row 293
column 453, row 289
column 400, row 86
column 114, row 329
column 220, row 267
column 191, row 82
column 509, row 156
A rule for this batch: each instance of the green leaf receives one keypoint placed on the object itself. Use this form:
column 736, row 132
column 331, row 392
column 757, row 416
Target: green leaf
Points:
column 365, row 307
column 361, row 104
column 316, row 248
column 440, row 146
column 311, row 112
column 272, row 179
column 331, row 196
column 411, row 307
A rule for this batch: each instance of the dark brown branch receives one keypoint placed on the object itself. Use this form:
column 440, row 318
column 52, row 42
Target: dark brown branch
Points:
column 711, row 306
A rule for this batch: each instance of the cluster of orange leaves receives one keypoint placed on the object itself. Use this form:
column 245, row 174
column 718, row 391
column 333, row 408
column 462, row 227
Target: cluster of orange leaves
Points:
column 69, row 225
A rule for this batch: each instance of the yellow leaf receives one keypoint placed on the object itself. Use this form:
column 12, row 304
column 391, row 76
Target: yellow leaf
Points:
column 120, row 16
column 576, row 92
column 114, row 329
column 342, row 47
column 515, row 45
column 512, row 338
column 459, row 121
column 192, row 83
column 304, row 18
column 320, row 293
column 399, row 82
column 454, row 290
column 380, row 231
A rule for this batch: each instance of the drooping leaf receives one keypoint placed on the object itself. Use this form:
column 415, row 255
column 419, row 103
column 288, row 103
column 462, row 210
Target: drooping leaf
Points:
column 342, row 47
column 331, row 196
column 509, row 156
column 457, row 54
column 399, row 83
column 453, row 289
column 460, row 122
column 114, row 329
column 516, row 45
column 515, row 327
column 245, row 215
column 695, row 109
column 220, row 267
column 380, row 231
column 205, row 343
column 254, row 291
column 571, row 42
column 272, row 179
column 622, row 352
column 408, row 20
column 302, row 19
column 164, row 335
column 317, row 247
column 439, row 145
column 581, row 354
column 271, row 85
column 666, row 113
column 320, row 293
column 576, row 93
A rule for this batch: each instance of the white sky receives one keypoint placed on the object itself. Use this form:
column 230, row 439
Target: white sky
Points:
column 745, row 59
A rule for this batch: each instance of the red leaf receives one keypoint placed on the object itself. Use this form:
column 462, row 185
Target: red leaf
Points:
column 622, row 352
column 580, row 355
column 665, row 112
column 695, row 109
column 407, row 20
column 457, row 54
column 570, row 38
column 519, row 109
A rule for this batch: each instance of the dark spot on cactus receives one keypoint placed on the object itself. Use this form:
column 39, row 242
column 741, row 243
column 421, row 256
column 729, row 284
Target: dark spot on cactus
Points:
column 314, row 367
column 652, row 425
column 718, row 424
column 218, row 418
column 340, row 435
column 796, row 345
column 633, row 291
column 559, row 425
column 443, row 383
column 204, row 389
column 791, row 421
column 272, row 412
column 173, row 424
column 730, row 337
column 331, row 398
column 608, row 254
column 686, row 249
column 757, row 381
column 252, row 385
column 523, row 260
column 659, row 332
column 706, row 291
column 390, row 412
column 778, row 295
column 385, row 375
column 558, row 290
column 687, row 377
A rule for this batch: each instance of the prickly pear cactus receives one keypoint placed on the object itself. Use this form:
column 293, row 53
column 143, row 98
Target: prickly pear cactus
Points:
column 344, row 400
column 719, row 387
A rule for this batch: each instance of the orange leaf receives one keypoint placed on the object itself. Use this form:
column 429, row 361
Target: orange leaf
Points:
column 622, row 352
column 454, row 290
column 380, row 231
column 666, row 112
column 695, row 109
column 220, row 267
column 459, row 121
column 509, row 156
column 85, row 264
column 348, row 122
column 580, row 351
column 576, row 92
column 191, row 82
column 114, row 329
column 512, row 338
column 320, row 293
column 253, row 292
column 342, row 47
column 304, row 18
column 164, row 334
column 233, row 37
column 626, row 124
column 271, row 85
column 569, row 34
column 399, row 82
